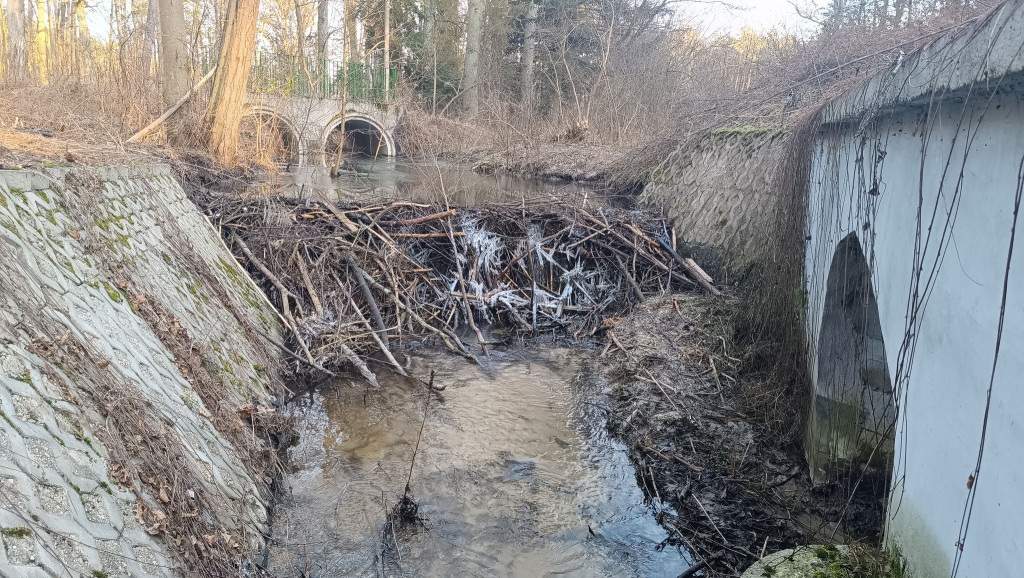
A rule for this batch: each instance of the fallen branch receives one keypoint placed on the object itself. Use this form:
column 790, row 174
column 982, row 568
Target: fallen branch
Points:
column 167, row 114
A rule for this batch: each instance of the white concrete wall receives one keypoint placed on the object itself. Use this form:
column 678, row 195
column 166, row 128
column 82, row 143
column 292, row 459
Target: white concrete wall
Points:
column 936, row 233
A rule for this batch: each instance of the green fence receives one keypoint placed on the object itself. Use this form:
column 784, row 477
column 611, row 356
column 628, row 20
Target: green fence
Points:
column 284, row 74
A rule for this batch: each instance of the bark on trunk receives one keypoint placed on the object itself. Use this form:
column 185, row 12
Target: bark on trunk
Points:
column 529, row 54
column 173, row 62
column 17, row 63
column 350, row 33
column 42, row 47
column 471, row 74
column 149, row 39
column 227, row 102
column 322, row 33
column 84, row 39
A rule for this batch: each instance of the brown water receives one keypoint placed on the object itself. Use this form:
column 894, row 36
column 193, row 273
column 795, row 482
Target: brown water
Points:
column 515, row 476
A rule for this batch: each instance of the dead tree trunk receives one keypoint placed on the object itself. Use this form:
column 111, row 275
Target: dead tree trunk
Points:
column 224, row 116
column 173, row 62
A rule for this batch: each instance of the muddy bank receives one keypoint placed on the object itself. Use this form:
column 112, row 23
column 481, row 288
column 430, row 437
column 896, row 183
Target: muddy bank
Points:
column 736, row 492
column 576, row 162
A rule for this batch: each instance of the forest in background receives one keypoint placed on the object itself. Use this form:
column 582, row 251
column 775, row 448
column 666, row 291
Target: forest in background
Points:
column 473, row 78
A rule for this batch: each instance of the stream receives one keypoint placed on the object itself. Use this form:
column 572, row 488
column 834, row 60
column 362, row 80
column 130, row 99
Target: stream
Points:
column 408, row 180
column 515, row 475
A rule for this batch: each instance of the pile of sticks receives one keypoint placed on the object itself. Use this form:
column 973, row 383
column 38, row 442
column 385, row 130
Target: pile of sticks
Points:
column 350, row 281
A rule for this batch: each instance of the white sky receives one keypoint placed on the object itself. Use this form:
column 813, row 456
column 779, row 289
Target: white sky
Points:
column 709, row 16
column 713, row 16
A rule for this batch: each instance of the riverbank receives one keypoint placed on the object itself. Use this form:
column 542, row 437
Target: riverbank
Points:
column 731, row 493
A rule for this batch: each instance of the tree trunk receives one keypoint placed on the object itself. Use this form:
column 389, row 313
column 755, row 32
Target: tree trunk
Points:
column 387, row 49
column 149, row 40
column 173, row 62
column 471, row 73
column 84, row 39
column 42, row 47
column 350, row 33
column 224, row 117
column 529, row 54
column 17, row 64
column 322, row 33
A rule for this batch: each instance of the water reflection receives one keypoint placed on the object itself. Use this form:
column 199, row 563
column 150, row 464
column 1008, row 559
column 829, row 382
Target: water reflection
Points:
column 515, row 475
column 403, row 179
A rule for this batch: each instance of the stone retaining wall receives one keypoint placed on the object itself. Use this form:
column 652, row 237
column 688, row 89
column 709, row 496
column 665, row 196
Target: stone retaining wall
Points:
column 63, row 236
column 718, row 189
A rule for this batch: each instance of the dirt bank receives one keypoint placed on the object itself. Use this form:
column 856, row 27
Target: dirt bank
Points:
column 730, row 492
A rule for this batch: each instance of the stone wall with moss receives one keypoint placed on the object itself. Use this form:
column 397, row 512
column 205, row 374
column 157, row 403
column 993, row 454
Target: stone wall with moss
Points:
column 717, row 189
column 83, row 488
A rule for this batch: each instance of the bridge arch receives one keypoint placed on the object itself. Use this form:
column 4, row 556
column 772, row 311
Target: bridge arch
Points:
column 371, row 135
column 294, row 150
column 852, row 407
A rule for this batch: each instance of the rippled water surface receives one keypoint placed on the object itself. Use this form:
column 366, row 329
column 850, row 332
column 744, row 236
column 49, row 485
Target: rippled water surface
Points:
column 515, row 476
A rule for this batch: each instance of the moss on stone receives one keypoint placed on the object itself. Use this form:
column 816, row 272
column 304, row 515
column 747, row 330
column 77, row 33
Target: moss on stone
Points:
column 113, row 292
column 17, row 532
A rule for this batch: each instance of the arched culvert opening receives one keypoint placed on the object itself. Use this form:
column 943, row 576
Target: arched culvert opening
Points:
column 266, row 138
column 362, row 138
column 853, row 410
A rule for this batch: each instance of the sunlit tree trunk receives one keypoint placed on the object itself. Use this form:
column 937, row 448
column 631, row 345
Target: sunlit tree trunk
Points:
column 529, row 54
column 84, row 40
column 471, row 73
column 174, row 78
column 224, row 116
column 42, row 47
column 17, row 48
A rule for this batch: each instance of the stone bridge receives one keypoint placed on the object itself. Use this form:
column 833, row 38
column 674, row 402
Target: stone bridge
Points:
column 304, row 105
column 906, row 202
column 307, row 124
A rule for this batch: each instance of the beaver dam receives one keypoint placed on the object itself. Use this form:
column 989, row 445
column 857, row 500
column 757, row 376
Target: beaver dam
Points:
column 517, row 389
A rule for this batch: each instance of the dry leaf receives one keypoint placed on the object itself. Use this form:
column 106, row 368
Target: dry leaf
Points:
column 74, row 233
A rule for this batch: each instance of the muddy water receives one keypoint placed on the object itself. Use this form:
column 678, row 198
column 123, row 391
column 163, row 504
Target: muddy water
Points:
column 515, row 476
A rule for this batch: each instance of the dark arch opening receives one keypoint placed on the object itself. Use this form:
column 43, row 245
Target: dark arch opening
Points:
column 853, row 411
column 266, row 139
column 362, row 138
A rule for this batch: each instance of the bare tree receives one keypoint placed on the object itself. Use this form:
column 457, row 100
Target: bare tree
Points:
column 42, row 42
column 17, row 47
column 149, row 38
column 529, row 54
column 227, row 103
column 173, row 61
column 322, row 31
column 471, row 73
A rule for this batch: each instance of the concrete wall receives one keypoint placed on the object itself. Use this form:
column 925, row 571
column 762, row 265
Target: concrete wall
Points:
column 68, row 333
column 923, row 165
column 718, row 189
